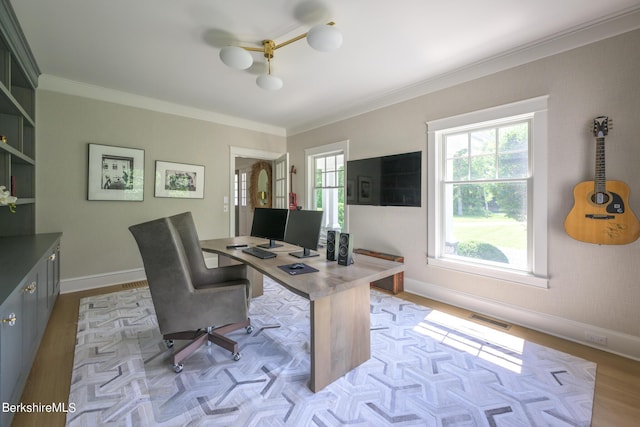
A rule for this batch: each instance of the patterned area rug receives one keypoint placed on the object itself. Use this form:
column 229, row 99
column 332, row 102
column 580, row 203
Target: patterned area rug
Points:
column 427, row 369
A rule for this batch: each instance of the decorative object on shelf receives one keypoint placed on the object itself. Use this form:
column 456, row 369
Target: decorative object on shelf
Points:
column 6, row 199
column 179, row 180
column 260, row 185
column 3, row 139
column 115, row 173
column 322, row 37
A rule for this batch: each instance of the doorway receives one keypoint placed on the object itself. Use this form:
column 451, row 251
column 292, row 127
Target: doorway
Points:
column 241, row 161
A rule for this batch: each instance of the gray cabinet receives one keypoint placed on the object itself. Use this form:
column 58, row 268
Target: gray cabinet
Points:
column 29, row 286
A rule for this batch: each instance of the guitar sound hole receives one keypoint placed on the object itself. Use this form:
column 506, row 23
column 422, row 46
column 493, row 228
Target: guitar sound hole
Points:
column 600, row 198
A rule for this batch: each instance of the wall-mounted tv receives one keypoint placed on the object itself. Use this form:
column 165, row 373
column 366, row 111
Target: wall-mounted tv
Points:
column 394, row 180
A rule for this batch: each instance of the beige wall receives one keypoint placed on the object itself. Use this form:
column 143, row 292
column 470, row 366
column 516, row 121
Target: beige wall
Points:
column 591, row 284
column 96, row 240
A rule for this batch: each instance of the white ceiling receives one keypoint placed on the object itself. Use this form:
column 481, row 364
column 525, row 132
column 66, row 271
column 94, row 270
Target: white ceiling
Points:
column 168, row 50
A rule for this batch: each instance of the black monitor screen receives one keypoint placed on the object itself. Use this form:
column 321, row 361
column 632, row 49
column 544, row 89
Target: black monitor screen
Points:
column 303, row 229
column 269, row 224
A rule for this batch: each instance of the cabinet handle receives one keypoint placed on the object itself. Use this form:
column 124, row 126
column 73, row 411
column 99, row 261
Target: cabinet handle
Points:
column 31, row 288
column 11, row 320
column 52, row 257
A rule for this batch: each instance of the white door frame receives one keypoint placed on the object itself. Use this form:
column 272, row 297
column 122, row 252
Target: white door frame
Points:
column 242, row 152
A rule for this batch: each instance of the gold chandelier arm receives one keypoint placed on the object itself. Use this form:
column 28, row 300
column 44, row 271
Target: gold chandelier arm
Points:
column 253, row 49
column 295, row 39
column 268, row 46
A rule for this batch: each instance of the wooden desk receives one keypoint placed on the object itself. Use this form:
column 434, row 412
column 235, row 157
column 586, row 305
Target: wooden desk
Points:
column 339, row 297
column 394, row 283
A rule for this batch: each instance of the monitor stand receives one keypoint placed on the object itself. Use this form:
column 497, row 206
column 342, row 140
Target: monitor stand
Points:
column 305, row 253
column 272, row 244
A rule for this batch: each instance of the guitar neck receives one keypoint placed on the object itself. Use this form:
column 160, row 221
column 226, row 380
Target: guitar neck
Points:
column 600, row 178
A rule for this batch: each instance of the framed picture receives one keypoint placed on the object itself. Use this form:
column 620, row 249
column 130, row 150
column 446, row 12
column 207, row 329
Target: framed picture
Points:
column 115, row 173
column 179, row 180
column 364, row 189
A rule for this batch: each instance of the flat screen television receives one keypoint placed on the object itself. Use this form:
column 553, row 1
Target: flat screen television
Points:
column 269, row 224
column 394, row 180
column 303, row 229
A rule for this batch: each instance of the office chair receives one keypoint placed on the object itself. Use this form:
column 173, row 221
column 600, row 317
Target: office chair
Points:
column 192, row 302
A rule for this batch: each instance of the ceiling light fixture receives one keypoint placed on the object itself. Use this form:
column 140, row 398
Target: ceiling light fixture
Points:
column 323, row 37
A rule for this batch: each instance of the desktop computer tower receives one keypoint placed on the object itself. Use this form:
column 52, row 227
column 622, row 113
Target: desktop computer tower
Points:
column 345, row 249
column 331, row 245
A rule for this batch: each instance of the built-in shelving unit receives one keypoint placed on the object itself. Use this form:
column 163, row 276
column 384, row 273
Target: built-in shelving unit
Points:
column 18, row 81
column 29, row 262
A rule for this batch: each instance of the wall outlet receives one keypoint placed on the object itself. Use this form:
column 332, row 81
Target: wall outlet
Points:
column 595, row 338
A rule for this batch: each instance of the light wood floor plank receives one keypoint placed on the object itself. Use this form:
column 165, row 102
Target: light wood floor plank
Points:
column 617, row 393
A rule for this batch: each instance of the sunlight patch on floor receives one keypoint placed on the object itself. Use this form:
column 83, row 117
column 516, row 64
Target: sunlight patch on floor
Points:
column 493, row 346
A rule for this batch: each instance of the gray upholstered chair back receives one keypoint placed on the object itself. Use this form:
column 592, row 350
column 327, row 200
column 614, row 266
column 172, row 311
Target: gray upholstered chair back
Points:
column 181, row 304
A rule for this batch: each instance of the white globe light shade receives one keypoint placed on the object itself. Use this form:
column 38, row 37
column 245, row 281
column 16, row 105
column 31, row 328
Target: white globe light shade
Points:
column 269, row 82
column 236, row 57
column 324, row 38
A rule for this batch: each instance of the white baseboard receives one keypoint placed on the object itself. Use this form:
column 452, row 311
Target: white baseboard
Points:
column 618, row 343
column 100, row 280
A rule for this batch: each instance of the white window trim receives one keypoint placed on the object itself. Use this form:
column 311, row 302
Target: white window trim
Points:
column 538, row 197
column 309, row 154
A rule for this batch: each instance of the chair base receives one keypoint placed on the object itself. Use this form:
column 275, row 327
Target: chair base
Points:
column 198, row 338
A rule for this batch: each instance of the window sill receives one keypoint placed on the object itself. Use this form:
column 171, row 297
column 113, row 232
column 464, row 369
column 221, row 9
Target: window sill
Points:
column 520, row 278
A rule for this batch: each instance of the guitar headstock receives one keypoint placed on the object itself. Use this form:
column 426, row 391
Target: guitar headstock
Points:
column 601, row 126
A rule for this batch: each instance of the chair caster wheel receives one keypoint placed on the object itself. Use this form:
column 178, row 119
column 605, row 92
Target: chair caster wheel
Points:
column 168, row 343
column 177, row 368
column 249, row 329
column 236, row 356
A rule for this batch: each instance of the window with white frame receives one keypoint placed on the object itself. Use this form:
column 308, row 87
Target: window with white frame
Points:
column 487, row 192
column 243, row 189
column 326, row 171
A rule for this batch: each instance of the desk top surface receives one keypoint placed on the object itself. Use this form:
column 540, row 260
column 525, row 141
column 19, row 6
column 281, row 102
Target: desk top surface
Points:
column 330, row 278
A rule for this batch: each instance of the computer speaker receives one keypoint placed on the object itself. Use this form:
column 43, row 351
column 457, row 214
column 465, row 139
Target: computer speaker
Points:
column 331, row 245
column 345, row 249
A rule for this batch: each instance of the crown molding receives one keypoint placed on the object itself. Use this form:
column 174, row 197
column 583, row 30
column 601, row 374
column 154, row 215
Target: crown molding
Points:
column 71, row 87
column 572, row 38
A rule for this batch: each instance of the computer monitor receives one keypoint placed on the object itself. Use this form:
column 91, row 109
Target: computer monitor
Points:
column 303, row 229
column 269, row 224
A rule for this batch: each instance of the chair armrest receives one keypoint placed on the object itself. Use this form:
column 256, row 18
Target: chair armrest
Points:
column 219, row 275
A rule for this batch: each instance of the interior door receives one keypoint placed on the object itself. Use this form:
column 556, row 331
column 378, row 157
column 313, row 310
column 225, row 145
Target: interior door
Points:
column 281, row 182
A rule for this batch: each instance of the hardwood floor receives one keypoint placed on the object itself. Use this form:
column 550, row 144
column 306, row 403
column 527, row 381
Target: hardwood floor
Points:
column 616, row 402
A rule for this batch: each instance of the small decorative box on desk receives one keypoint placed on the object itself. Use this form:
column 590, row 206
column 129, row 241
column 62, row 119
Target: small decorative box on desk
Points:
column 395, row 283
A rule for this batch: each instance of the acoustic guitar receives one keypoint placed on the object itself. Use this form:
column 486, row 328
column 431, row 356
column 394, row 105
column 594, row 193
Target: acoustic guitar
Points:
column 601, row 212
column 293, row 198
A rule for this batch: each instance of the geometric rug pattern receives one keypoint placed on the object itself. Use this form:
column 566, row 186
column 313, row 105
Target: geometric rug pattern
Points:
column 426, row 369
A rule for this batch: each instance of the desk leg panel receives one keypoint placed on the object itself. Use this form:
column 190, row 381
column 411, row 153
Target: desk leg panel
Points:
column 257, row 279
column 340, row 335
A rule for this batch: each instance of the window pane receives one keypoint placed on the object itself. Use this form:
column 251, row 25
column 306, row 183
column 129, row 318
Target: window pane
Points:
column 514, row 137
column 457, row 154
column 483, row 142
column 330, row 180
column 513, row 165
column 487, row 222
column 513, row 161
column 483, row 167
column 456, row 145
column 331, row 163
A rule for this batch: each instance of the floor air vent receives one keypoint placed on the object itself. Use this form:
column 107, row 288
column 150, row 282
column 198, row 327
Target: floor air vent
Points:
column 132, row 285
column 493, row 322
